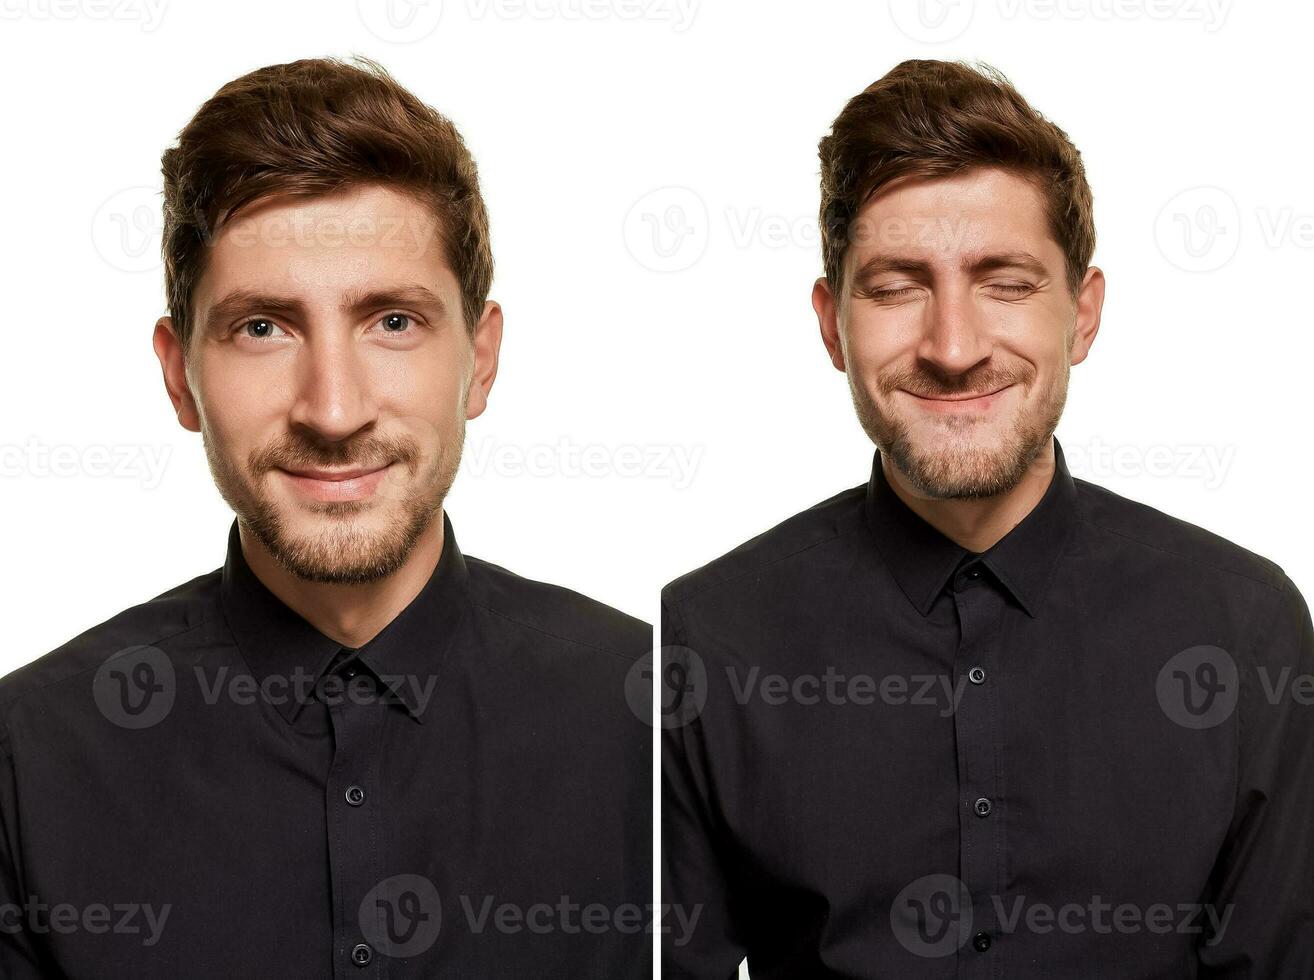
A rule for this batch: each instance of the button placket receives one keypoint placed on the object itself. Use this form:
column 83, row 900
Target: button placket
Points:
column 977, row 731
column 353, row 823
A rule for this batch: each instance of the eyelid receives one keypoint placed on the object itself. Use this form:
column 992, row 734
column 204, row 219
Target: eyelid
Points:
column 244, row 320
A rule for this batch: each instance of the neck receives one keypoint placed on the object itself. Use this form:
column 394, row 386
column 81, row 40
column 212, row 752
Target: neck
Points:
column 352, row 615
column 977, row 523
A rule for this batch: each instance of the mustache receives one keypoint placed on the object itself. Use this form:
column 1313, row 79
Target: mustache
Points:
column 932, row 386
column 367, row 454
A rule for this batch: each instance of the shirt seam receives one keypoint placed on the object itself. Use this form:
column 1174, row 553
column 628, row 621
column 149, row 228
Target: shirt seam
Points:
column 1275, row 587
column 556, row 636
column 695, row 592
column 6, row 706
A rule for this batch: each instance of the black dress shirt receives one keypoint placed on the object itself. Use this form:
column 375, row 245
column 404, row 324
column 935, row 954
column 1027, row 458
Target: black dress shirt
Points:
column 206, row 786
column 1086, row 753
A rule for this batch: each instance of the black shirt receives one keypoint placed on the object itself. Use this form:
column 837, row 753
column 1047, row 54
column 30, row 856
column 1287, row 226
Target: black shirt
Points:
column 1072, row 756
column 186, row 790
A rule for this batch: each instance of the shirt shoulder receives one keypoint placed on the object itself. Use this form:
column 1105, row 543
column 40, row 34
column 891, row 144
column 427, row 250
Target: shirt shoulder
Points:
column 789, row 547
column 1140, row 528
column 155, row 621
column 543, row 610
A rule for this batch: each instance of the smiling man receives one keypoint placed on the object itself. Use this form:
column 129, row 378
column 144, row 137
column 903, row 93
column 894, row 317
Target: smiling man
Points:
column 351, row 751
column 977, row 718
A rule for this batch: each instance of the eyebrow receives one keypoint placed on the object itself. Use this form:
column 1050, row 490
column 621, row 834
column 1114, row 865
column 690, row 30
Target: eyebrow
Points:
column 990, row 262
column 241, row 302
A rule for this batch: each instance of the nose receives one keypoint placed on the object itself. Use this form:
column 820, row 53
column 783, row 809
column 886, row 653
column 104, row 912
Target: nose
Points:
column 334, row 398
column 955, row 337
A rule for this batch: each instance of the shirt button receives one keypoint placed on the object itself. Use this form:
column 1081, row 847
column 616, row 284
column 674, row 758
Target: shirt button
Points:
column 350, row 672
column 355, row 796
column 981, row 942
column 361, row 954
column 974, row 572
column 976, row 675
column 982, row 807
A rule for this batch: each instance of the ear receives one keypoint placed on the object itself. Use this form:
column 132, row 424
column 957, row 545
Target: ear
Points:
column 826, row 307
column 487, row 343
column 1090, row 301
column 169, row 349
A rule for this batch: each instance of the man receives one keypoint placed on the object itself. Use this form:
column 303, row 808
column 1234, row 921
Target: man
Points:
column 976, row 718
column 351, row 751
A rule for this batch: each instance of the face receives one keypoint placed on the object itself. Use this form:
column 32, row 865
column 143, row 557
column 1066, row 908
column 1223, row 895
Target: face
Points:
column 957, row 329
column 330, row 374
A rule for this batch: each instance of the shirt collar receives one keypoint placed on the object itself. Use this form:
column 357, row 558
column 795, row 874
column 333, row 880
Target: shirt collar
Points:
column 277, row 642
column 922, row 559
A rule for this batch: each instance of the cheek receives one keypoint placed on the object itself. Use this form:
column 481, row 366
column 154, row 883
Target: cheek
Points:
column 873, row 345
column 238, row 408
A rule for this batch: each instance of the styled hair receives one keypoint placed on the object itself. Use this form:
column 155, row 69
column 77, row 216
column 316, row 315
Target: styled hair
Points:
column 312, row 127
column 928, row 119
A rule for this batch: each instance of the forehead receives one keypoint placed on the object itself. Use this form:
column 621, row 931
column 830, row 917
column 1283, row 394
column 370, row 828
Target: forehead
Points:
column 945, row 218
column 328, row 244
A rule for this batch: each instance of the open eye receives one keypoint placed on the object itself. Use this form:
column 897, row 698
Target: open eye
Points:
column 260, row 328
column 396, row 322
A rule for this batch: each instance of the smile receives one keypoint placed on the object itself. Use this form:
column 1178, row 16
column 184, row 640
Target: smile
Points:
column 960, row 402
column 356, row 483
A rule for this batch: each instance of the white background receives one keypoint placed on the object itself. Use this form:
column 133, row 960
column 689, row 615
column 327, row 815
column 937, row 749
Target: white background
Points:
column 591, row 120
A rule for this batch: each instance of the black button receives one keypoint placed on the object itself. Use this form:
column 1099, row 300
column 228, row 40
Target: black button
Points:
column 351, row 672
column 976, row 675
column 982, row 807
column 981, row 942
column 974, row 572
column 361, row 954
column 355, row 795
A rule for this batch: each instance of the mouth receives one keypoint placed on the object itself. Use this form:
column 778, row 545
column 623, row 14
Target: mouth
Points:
column 355, row 483
column 961, row 402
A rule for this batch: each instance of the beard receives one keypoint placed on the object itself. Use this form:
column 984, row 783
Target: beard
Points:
column 955, row 464
column 343, row 550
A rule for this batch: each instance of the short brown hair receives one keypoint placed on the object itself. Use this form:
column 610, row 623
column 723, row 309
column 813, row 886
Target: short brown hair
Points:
column 937, row 118
column 313, row 127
